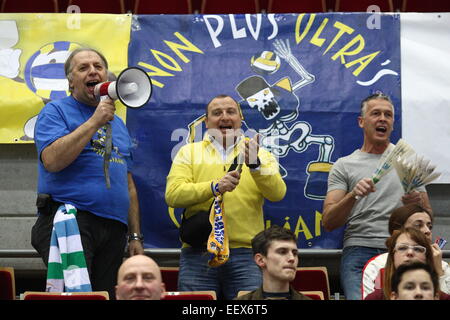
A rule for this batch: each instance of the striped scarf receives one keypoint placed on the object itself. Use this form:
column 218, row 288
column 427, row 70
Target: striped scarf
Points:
column 218, row 238
column 67, row 270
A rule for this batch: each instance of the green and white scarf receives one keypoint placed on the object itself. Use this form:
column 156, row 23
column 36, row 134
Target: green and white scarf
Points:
column 67, row 270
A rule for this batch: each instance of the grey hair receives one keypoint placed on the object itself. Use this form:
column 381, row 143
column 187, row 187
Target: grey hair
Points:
column 377, row 95
column 68, row 63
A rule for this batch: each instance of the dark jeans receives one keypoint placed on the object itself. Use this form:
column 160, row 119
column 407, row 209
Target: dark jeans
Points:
column 103, row 241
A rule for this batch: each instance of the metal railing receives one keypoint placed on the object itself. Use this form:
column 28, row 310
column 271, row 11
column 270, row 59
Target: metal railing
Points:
column 172, row 252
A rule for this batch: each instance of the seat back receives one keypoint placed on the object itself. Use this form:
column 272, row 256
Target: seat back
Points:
column 242, row 292
column 230, row 6
column 162, row 7
column 425, row 6
column 315, row 295
column 7, row 284
column 312, row 279
column 94, row 295
column 29, row 6
column 362, row 5
column 170, row 277
column 190, row 295
column 99, row 6
column 299, row 6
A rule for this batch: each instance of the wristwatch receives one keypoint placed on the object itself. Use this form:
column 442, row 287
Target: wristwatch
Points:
column 136, row 236
column 255, row 165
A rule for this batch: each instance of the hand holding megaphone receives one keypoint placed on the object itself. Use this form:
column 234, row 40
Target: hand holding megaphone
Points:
column 133, row 88
column 104, row 112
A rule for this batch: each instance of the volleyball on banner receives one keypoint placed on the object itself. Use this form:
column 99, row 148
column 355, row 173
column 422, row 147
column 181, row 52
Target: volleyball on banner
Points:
column 33, row 50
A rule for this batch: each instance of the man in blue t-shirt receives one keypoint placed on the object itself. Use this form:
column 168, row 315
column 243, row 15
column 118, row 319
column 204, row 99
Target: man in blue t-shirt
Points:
column 70, row 137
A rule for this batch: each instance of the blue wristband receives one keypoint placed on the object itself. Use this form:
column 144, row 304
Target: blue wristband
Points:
column 215, row 189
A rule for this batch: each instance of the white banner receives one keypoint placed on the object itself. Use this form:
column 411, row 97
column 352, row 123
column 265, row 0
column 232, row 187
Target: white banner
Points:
column 425, row 74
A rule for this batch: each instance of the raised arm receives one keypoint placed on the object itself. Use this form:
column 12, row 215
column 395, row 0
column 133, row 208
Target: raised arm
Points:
column 268, row 178
column 336, row 208
column 339, row 203
column 62, row 152
column 182, row 190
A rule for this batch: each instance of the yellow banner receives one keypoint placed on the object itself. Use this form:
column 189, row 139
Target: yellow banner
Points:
column 33, row 49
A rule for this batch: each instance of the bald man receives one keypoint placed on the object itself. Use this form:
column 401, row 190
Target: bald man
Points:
column 139, row 278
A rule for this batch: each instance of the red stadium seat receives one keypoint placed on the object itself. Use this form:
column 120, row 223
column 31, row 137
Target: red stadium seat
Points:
column 362, row 5
column 315, row 295
column 230, row 6
column 426, row 6
column 170, row 277
column 312, row 279
column 162, row 7
column 299, row 6
column 190, row 295
column 99, row 6
column 7, row 284
column 94, row 295
column 29, row 6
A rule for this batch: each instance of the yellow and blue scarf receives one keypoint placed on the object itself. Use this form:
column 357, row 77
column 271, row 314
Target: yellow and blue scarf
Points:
column 218, row 239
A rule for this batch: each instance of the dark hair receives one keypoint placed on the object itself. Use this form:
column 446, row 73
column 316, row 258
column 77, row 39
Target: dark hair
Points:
column 416, row 265
column 376, row 95
column 400, row 215
column 262, row 241
column 222, row 96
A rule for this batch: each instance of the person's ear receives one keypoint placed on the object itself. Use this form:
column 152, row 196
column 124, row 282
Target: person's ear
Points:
column 360, row 121
column 163, row 290
column 260, row 260
column 117, row 294
column 394, row 296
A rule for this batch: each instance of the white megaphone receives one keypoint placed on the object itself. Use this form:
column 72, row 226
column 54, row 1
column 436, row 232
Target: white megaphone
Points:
column 133, row 88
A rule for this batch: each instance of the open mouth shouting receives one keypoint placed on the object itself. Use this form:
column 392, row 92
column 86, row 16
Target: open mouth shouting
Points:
column 91, row 85
column 226, row 129
column 381, row 129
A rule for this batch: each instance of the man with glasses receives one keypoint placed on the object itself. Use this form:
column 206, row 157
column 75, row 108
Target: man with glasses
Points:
column 352, row 199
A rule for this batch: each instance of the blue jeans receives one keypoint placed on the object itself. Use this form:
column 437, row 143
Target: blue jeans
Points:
column 240, row 272
column 353, row 260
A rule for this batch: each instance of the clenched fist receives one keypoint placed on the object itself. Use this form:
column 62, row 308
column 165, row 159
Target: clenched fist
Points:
column 104, row 112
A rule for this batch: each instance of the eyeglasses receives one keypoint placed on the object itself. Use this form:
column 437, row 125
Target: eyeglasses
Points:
column 405, row 247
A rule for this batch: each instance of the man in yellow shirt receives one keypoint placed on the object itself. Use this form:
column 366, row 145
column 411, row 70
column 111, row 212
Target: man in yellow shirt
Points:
column 199, row 172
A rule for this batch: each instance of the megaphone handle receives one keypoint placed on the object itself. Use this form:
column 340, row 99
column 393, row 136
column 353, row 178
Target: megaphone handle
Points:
column 107, row 155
